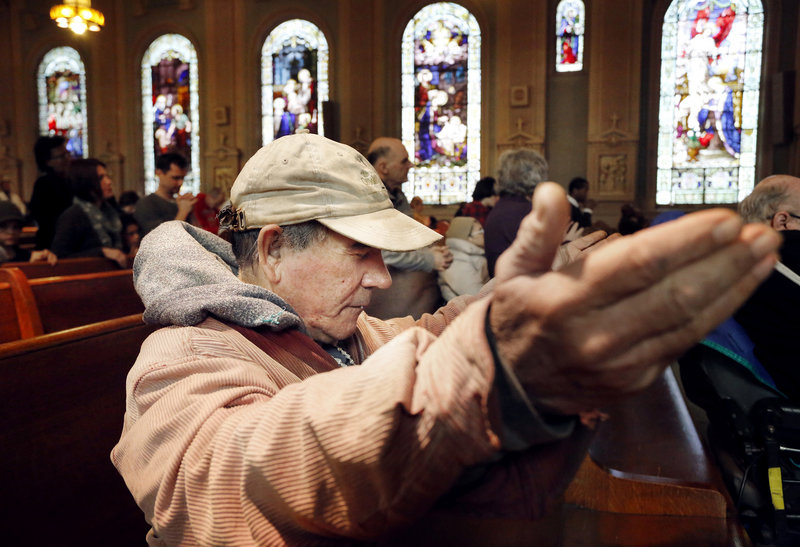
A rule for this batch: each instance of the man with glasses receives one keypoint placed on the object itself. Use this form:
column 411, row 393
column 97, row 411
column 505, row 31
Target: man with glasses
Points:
column 770, row 315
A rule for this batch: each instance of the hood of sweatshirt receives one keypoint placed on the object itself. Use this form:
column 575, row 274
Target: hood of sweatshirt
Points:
column 183, row 274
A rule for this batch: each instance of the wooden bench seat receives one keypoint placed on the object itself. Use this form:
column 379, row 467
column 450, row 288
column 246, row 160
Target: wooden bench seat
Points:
column 63, row 401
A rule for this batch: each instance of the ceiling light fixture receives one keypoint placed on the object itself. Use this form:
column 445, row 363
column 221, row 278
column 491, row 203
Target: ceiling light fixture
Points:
column 78, row 16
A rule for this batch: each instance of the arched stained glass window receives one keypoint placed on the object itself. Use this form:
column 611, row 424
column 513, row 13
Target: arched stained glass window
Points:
column 441, row 103
column 570, row 25
column 170, row 107
column 62, row 99
column 294, row 79
column 708, row 113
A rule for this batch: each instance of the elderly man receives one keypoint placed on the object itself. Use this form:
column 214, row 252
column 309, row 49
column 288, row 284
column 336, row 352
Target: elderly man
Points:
column 414, row 290
column 277, row 412
column 769, row 316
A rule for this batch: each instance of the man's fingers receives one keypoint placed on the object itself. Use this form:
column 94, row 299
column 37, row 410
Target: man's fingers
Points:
column 539, row 235
column 711, row 288
column 630, row 264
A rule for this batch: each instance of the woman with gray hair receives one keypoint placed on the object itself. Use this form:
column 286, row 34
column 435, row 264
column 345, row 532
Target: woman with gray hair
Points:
column 520, row 171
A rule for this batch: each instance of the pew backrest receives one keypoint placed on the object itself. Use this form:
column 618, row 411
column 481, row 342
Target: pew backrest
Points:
column 65, row 266
column 63, row 402
column 65, row 302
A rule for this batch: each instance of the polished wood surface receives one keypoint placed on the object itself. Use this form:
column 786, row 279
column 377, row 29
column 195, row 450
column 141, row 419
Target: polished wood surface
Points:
column 63, row 400
column 65, row 266
column 69, row 301
column 648, row 480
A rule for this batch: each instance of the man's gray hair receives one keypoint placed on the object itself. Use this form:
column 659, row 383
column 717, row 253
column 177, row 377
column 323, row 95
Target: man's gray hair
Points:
column 295, row 236
column 520, row 171
column 767, row 197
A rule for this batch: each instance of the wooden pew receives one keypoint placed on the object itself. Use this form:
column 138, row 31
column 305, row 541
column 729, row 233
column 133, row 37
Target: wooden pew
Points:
column 63, row 401
column 648, row 480
column 64, row 302
column 65, row 266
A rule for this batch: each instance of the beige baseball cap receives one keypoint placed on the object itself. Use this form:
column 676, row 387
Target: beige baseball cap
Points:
column 305, row 177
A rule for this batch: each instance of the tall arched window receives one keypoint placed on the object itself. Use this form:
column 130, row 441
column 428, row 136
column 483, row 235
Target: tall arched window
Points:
column 294, row 80
column 170, row 107
column 708, row 113
column 441, row 102
column 61, row 83
column 570, row 25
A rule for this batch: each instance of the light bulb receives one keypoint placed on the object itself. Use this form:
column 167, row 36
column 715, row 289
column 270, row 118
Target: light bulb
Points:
column 77, row 25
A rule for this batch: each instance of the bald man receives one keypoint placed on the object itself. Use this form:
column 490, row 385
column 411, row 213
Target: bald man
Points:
column 414, row 289
column 770, row 316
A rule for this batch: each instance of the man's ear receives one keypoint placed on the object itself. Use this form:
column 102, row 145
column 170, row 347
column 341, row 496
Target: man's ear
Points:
column 269, row 251
column 779, row 221
column 380, row 167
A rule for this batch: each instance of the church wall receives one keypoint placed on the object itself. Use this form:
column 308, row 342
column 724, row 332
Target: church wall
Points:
column 598, row 123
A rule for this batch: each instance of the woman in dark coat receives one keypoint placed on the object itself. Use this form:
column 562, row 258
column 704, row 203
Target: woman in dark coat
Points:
column 90, row 226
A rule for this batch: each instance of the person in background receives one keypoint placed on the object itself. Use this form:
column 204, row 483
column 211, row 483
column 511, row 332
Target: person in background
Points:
column 484, row 198
column 769, row 316
column 206, row 209
column 414, row 288
column 91, row 226
column 166, row 203
column 11, row 220
column 127, row 201
column 631, row 219
column 520, row 171
column 51, row 192
column 131, row 236
column 578, row 197
column 8, row 194
column 468, row 272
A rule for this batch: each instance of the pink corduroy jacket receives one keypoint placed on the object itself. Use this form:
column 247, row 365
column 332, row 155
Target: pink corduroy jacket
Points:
column 224, row 444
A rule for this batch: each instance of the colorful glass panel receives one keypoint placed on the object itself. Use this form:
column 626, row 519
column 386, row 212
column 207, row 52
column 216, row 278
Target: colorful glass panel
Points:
column 708, row 113
column 441, row 103
column 62, row 99
column 570, row 24
column 170, row 107
column 294, row 80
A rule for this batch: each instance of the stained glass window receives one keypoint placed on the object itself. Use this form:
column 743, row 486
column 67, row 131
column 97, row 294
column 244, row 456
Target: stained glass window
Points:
column 570, row 24
column 62, row 99
column 441, row 103
column 294, row 79
column 708, row 113
column 170, row 112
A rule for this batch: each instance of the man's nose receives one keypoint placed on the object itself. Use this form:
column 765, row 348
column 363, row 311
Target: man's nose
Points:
column 377, row 276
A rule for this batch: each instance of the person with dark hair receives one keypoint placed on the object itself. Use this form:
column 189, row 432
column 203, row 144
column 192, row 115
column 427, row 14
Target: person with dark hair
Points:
column 520, row 172
column 484, row 198
column 270, row 409
column 10, row 229
column 131, row 236
column 127, row 201
column 51, row 192
column 91, row 226
column 166, row 203
column 578, row 197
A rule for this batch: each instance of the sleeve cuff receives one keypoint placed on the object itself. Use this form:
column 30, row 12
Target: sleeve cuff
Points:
column 523, row 425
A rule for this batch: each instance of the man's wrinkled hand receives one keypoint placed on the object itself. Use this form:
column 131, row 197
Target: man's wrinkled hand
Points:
column 608, row 323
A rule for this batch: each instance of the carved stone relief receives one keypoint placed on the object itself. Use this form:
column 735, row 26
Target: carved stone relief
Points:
column 612, row 174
